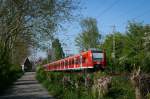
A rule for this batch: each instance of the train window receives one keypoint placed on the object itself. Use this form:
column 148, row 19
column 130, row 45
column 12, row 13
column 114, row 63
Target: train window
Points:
column 83, row 60
column 66, row 63
column 69, row 62
column 76, row 61
column 79, row 61
column 56, row 65
column 72, row 61
column 97, row 56
column 61, row 63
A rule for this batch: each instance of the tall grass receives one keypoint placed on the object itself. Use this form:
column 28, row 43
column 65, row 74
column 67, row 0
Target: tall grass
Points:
column 8, row 76
column 121, row 88
column 53, row 81
column 76, row 89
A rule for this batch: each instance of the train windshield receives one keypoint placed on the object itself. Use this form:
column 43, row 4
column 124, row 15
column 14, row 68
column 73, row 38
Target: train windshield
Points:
column 97, row 56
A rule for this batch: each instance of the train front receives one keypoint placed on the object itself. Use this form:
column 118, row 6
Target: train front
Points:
column 99, row 59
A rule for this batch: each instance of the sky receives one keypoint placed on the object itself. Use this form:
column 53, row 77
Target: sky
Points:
column 108, row 13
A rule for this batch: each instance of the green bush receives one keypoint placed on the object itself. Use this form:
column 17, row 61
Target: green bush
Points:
column 8, row 72
column 8, row 76
column 53, row 81
column 120, row 87
column 148, row 96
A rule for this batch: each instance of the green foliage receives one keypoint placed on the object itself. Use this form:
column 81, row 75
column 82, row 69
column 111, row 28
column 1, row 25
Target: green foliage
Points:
column 8, row 74
column 135, row 49
column 121, row 88
column 24, row 24
column 89, row 37
column 114, row 64
column 57, row 49
column 53, row 81
column 148, row 96
column 131, row 48
column 8, row 71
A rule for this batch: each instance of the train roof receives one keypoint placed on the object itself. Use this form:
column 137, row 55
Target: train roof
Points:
column 77, row 55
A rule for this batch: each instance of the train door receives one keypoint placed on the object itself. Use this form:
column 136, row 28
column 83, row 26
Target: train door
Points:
column 89, row 60
column 81, row 66
column 74, row 63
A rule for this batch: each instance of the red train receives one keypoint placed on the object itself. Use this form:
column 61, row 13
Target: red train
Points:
column 91, row 59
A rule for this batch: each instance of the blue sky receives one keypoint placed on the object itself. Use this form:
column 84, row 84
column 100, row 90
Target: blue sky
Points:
column 107, row 14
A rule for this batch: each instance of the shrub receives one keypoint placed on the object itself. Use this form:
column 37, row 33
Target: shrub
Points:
column 120, row 89
column 75, row 88
column 70, row 89
column 8, row 76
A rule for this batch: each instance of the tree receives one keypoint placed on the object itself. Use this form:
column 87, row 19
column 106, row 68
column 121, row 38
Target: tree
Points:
column 25, row 24
column 131, row 48
column 89, row 37
column 114, row 63
column 33, row 21
column 134, row 49
column 57, row 50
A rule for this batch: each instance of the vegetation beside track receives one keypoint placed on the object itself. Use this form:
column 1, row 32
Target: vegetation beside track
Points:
column 18, row 34
column 7, row 77
column 75, row 88
column 131, row 51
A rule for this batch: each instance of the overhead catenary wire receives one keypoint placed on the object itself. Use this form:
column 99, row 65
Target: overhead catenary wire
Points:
column 135, row 8
column 138, row 16
column 108, row 8
column 128, row 11
column 142, row 14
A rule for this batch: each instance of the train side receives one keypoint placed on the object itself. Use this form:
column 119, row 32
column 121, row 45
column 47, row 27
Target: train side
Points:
column 85, row 60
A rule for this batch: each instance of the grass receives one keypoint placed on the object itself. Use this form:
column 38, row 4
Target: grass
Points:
column 120, row 87
column 8, row 76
